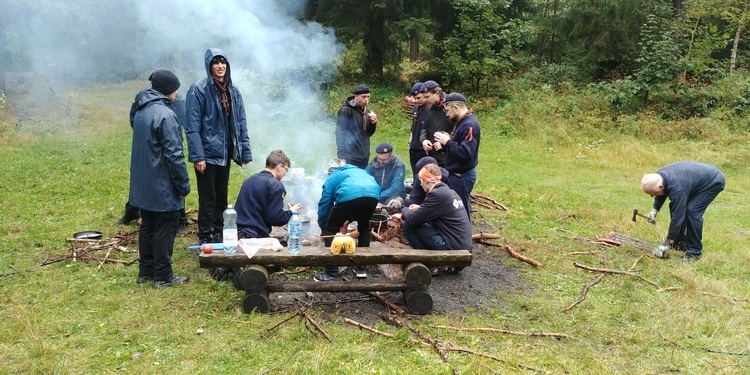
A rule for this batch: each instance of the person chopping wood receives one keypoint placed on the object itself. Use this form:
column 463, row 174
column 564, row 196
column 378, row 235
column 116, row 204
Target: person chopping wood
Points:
column 690, row 187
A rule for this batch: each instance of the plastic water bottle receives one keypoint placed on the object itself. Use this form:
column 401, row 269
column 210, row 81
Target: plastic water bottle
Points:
column 230, row 230
column 294, row 241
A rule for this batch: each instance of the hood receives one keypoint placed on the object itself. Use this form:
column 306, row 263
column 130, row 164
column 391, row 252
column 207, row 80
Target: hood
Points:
column 210, row 54
column 148, row 96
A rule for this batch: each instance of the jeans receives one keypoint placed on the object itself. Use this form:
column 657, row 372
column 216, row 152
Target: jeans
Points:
column 693, row 228
column 463, row 185
column 156, row 244
column 423, row 237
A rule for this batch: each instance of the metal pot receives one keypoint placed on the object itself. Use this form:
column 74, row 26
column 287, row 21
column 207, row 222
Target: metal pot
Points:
column 88, row 235
column 378, row 219
column 305, row 223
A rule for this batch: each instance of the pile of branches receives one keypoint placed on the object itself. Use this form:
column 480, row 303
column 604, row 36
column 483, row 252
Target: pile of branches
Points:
column 487, row 202
column 88, row 250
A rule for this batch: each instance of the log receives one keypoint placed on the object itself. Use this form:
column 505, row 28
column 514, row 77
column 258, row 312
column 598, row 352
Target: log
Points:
column 417, row 276
column 335, row 286
column 321, row 256
column 253, row 278
column 418, row 301
column 256, row 302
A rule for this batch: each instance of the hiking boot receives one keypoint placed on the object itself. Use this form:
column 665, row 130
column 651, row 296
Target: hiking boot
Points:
column 144, row 279
column 325, row 276
column 360, row 272
column 174, row 280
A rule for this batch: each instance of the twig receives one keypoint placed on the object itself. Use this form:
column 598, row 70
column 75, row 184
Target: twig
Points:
column 15, row 272
column 583, row 253
column 288, row 272
column 317, row 326
column 507, row 332
column 512, row 253
column 376, row 236
column 434, row 343
column 723, row 352
column 725, row 297
column 367, row 328
column 485, row 236
column 635, row 263
column 391, row 305
column 584, row 291
column 101, row 264
column 606, row 270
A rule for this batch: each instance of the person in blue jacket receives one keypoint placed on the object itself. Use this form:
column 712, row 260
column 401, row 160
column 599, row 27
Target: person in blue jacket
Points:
column 355, row 125
column 158, row 178
column 349, row 194
column 388, row 172
column 216, row 130
column 690, row 187
column 260, row 204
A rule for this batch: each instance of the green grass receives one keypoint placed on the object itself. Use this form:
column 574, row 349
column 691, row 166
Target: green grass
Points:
column 69, row 318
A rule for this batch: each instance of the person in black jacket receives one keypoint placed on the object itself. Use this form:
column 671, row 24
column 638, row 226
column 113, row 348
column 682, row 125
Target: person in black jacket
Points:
column 355, row 125
column 690, row 187
column 440, row 222
column 434, row 120
column 158, row 178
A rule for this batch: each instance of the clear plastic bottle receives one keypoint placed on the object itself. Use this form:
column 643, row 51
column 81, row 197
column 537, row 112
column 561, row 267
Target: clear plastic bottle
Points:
column 230, row 230
column 294, row 241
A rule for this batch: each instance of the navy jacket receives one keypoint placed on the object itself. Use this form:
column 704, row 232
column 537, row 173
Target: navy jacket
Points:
column 390, row 178
column 158, row 174
column 462, row 150
column 346, row 183
column 207, row 127
column 417, row 122
column 444, row 209
column 682, row 182
column 434, row 120
column 353, row 131
column 416, row 196
column 260, row 205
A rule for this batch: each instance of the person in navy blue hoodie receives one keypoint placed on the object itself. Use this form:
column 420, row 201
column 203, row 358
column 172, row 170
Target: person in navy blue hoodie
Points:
column 388, row 172
column 690, row 187
column 260, row 204
column 355, row 125
column 216, row 130
column 416, row 151
column 158, row 178
column 461, row 147
column 349, row 194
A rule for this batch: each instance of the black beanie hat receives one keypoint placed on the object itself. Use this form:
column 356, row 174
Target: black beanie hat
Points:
column 164, row 81
column 361, row 89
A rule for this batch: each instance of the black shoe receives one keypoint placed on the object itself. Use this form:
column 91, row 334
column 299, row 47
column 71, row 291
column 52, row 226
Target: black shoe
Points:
column 219, row 274
column 236, row 277
column 174, row 280
column 144, row 279
column 325, row 276
column 131, row 213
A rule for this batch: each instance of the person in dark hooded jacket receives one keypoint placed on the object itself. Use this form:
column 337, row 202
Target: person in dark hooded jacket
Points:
column 216, row 130
column 158, row 178
column 354, row 127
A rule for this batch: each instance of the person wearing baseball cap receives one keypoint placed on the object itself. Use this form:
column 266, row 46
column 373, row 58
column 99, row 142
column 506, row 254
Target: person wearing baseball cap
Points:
column 388, row 172
column 355, row 124
column 158, row 178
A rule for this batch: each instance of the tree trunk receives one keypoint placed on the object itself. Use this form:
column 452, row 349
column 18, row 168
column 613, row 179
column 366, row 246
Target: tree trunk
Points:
column 414, row 48
column 678, row 7
column 373, row 41
column 740, row 27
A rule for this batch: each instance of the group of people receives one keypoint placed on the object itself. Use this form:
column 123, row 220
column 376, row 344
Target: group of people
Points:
column 443, row 154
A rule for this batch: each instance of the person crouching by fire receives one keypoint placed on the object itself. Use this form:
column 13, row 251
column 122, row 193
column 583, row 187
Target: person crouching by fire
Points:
column 349, row 194
column 440, row 222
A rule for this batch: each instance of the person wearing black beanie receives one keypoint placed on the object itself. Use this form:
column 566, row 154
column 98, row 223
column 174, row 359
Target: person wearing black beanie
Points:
column 164, row 81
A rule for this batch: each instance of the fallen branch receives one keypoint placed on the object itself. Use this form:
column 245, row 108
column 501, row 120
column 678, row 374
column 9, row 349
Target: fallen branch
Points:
column 584, row 291
column 606, row 270
column 512, row 253
column 367, row 328
column 507, row 332
column 317, row 326
column 391, row 305
column 485, row 236
column 434, row 343
column 289, row 272
column 487, row 202
column 583, row 253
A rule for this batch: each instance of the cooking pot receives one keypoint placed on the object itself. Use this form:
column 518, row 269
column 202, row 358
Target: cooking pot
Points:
column 305, row 223
column 378, row 219
column 88, row 235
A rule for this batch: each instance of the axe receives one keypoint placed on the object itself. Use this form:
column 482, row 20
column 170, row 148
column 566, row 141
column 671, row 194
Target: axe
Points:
column 636, row 213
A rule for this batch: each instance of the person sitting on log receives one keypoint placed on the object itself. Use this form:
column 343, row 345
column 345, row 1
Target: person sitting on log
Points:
column 440, row 222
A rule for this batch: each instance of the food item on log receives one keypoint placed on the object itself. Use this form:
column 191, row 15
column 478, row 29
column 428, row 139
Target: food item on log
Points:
column 208, row 248
column 342, row 242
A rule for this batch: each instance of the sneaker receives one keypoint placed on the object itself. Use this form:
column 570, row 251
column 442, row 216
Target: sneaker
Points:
column 360, row 272
column 325, row 277
column 144, row 279
column 174, row 280
column 352, row 226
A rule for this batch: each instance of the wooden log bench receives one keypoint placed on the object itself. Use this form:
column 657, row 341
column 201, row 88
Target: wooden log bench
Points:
column 255, row 282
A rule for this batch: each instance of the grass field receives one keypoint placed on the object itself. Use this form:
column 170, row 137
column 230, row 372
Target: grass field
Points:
column 63, row 176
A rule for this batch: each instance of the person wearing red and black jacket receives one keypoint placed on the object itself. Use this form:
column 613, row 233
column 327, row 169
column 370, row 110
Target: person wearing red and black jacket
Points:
column 355, row 125
column 434, row 120
column 461, row 147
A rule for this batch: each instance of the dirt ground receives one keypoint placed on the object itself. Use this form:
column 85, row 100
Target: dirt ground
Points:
column 473, row 290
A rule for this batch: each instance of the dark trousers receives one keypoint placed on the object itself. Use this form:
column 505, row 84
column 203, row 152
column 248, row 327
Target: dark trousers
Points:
column 414, row 156
column 693, row 227
column 156, row 243
column 423, row 237
column 213, row 188
column 463, row 185
column 359, row 210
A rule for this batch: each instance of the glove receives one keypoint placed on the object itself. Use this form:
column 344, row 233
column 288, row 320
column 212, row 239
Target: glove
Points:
column 652, row 215
column 661, row 251
column 396, row 203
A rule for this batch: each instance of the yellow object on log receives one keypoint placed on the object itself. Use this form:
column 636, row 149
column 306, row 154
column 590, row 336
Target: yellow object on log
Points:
column 342, row 242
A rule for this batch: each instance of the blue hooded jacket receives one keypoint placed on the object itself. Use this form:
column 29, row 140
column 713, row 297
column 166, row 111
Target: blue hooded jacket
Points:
column 206, row 124
column 390, row 178
column 158, row 174
column 346, row 183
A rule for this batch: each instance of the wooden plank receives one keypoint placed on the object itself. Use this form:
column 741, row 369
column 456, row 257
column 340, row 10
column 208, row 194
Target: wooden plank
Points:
column 335, row 286
column 321, row 256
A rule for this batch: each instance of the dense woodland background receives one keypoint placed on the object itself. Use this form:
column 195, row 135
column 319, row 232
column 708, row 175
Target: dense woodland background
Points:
column 678, row 59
